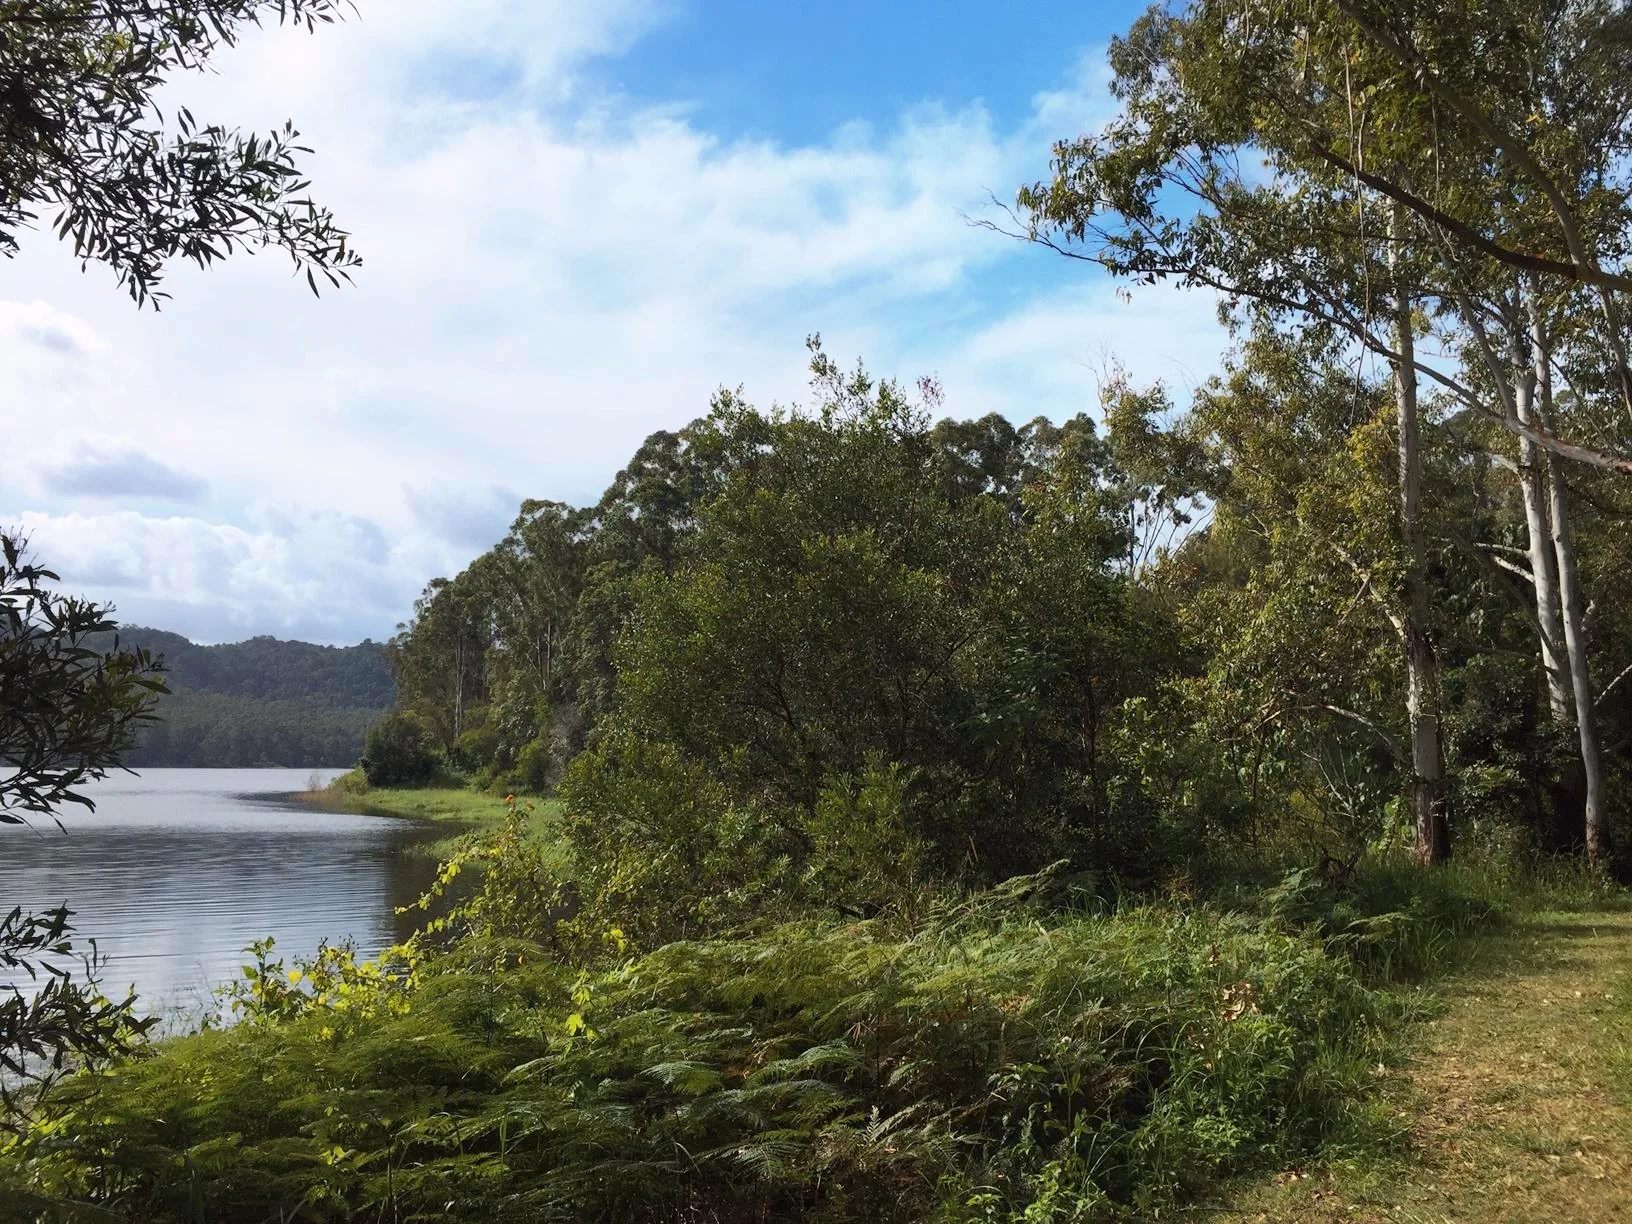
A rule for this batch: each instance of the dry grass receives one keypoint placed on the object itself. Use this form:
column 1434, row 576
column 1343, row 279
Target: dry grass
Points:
column 1517, row 1113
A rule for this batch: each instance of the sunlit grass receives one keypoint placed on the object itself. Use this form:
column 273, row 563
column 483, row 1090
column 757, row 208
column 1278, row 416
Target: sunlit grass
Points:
column 450, row 804
column 1518, row 1093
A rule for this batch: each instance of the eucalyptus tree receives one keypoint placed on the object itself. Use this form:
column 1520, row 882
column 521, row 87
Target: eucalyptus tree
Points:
column 1292, row 594
column 1364, row 168
column 1516, row 334
column 85, row 146
column 1316, row 257
column 534, row 577
column 439, row 657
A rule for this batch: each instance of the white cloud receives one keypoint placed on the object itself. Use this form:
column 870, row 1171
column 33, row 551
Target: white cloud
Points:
column 223, row 582
column 1060, row 346
column 550, row 275
column 117, row 468
column 39, row 325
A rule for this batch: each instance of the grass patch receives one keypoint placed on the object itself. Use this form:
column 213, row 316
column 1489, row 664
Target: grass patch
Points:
column 1517, row 1092
column 451, row 804
column 461, row 808
column 1619, row 1028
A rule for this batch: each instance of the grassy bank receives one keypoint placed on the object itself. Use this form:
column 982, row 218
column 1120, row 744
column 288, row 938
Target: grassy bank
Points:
column 461, row 808
column 442, row 804
column 1023, row 1054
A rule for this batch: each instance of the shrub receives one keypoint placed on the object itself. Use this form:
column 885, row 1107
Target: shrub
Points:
column 996, row 1062
column 397, row 752
column 475, row 749
column 537, row 766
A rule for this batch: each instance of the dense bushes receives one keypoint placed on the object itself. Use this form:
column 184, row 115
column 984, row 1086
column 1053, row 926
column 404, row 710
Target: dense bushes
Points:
column 994, row 1061
column 861, row 679
column 397, row 752
column 1132, row 646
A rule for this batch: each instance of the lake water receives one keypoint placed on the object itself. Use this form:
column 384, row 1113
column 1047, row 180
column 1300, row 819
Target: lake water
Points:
column 177, row 870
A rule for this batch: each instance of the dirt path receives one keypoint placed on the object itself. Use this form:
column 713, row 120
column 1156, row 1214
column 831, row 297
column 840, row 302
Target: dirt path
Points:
column 1520, row 1119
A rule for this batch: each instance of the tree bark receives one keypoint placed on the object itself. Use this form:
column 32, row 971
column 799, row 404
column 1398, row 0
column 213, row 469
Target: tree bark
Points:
column 1569, row 589
column 458, row 680
column 1422, row 702
column 1575, row 641
column 1543, row 557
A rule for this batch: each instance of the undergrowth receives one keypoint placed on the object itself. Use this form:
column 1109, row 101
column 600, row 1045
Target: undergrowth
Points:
column 1015, row 1056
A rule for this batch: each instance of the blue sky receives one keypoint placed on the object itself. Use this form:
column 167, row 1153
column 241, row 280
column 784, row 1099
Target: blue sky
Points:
column 795, row 72
column 578, row 217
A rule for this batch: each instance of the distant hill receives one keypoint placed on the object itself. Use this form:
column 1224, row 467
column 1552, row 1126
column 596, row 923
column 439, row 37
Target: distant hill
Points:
column 261, row 702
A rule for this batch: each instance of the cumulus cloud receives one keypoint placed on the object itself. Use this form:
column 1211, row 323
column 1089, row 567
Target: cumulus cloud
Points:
column 40, row 325
column 552, row 272
column 120, row 469
column 221, row 582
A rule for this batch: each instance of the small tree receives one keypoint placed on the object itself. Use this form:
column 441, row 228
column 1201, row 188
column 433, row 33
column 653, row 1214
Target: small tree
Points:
column 81, row 136
column 67, row 712
column 397, row 752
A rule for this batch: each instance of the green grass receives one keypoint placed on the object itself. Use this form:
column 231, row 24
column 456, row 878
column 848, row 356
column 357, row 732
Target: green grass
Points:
column 1518, row 1092
column 462, row 808
column 447, row 805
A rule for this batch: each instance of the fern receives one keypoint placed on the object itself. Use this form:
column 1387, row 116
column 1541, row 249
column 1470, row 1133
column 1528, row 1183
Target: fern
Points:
column 998, row 1060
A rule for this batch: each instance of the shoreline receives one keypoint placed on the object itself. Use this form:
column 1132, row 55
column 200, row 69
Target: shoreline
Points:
column 459, row 809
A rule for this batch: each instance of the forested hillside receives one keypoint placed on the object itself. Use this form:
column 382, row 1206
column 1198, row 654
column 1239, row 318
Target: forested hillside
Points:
column 260, row 702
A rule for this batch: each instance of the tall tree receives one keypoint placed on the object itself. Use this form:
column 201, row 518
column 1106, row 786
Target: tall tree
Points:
column 1400, row 159
column 1423, row 693
column 1496, row 127
column 439, row 658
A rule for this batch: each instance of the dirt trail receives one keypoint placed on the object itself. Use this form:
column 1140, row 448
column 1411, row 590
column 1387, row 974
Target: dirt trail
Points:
column 1519, row 1117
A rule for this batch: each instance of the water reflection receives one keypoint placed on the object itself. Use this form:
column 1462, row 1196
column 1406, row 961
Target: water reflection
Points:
column 178, row 869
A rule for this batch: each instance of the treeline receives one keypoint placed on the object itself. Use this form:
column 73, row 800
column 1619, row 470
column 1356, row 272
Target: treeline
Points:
column 271, row 668
column 510, row 668
column 215, row 730
column 261, row 702
column 839, row 655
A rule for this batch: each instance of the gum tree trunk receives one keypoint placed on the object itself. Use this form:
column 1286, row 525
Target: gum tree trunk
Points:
column 1533, row 482
column 1569, row 589
column 1433, row 835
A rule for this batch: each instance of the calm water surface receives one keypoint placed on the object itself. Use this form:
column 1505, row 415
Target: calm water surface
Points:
column 178, row 869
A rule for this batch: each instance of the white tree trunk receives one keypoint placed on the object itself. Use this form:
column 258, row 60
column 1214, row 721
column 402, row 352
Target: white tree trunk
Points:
column 1569, row 589
column 1533, row 468
column 1433, row 841
column 1575, row 641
